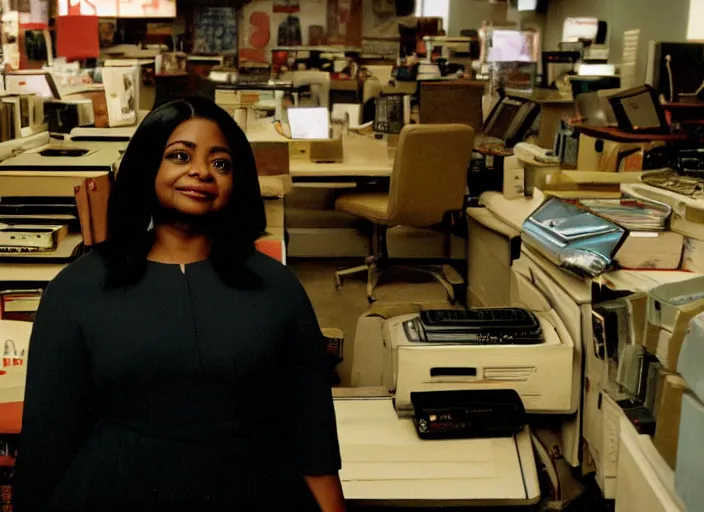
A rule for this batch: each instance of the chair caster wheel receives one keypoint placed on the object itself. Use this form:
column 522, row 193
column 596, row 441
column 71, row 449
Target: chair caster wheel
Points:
column 371, row 300
column 338, row 283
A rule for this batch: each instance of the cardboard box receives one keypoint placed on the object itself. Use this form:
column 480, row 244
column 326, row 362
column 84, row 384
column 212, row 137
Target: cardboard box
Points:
column 324, row 150
column 669, row 409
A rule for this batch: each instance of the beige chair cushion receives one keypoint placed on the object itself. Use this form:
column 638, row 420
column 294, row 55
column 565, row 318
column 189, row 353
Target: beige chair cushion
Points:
column 428, row 180
column 371, row 206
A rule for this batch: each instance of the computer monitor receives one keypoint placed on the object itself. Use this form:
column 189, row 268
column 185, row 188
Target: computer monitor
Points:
column 576, row 29
column 32, row 82
column 679, row 64
column 510, row 120
column 309, row 122
column 509, row 46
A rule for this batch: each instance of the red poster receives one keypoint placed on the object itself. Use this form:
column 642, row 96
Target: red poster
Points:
column 77, row 37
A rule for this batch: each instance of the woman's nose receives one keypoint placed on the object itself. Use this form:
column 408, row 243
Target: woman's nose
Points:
column 201, row 171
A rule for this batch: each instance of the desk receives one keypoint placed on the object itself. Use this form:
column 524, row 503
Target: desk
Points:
column 364, row 156
column 225, row 93
column 617, row 135
column 118, row 133
column 384, row 461
column 553, row 108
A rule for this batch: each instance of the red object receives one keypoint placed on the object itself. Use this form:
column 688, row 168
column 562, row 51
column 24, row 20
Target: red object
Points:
column 77, row 37
column 11, row 417
column 273, row 247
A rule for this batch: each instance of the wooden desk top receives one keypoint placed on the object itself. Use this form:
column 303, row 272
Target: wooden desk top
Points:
column 363, row 156
column 542, row 96
column 620, row 136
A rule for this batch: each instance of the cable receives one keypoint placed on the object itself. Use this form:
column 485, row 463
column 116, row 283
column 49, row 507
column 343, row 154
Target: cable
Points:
column 668, row 61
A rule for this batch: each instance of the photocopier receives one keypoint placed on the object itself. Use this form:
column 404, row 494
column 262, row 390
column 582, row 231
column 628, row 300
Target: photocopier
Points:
column 455, row 428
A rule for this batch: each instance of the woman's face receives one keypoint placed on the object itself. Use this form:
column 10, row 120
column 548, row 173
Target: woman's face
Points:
column 196, row 173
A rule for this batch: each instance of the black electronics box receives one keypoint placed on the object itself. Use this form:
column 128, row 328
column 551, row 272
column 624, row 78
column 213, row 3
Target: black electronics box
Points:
column 468, row 414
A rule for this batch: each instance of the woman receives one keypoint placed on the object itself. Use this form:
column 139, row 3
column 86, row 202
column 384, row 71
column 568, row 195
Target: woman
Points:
column 174, row 367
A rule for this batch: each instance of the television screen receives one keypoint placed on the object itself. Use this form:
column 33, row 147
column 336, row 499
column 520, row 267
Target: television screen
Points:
column 119, row 8
column 509, row 46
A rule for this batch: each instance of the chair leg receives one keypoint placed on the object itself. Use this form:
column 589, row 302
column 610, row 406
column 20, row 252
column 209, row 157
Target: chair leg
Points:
column 372, row 280
column 443, row 274
column 371, row 263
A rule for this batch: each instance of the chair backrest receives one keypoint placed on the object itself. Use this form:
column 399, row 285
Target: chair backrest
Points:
column 430, row 173
column 452, row 101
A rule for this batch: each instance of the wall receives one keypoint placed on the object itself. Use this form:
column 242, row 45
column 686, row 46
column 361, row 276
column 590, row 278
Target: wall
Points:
column 469, row 14
column 657, row 20
column 558, row 10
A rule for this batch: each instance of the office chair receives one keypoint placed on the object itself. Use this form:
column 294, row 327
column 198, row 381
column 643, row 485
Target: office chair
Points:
column 428, row 181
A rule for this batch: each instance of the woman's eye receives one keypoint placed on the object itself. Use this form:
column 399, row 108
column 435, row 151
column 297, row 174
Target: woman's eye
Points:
column 178, row 156
column 223, row 165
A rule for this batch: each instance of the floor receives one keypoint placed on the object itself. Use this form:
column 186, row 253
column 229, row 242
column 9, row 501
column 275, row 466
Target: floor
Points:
column 341, row 309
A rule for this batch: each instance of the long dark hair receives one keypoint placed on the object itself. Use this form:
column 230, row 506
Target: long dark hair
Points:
column 133, row 199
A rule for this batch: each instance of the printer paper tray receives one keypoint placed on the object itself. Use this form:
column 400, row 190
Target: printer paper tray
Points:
column 384, row 460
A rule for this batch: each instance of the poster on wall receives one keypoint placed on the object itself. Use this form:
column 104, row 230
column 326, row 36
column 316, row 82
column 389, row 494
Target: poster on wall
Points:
column 39, row 11
column 380, row 19
column 256, row 32
column 119, row 8
column 215, row 30
column 287, row 6
column 345, row 22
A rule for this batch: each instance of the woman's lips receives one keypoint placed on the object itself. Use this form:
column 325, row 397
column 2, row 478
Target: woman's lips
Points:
column 202, row 194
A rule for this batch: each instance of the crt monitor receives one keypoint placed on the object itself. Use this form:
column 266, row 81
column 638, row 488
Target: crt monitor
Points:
column 32, row 82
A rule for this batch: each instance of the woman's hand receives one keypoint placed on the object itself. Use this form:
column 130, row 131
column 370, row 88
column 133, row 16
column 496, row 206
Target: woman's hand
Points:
column 327, row 491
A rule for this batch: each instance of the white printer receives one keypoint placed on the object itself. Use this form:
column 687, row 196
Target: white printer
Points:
column 384, row 452
column 539, row 371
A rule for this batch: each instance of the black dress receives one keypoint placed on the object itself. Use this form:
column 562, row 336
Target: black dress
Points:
column 179, row 393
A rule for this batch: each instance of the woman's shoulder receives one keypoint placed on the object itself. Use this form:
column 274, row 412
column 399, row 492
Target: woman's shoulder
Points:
column 273, row 272
column 88, row 270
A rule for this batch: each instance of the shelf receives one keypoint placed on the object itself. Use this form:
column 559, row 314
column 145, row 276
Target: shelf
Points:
column 29, row 272
column 70, row 248
column 51, row 184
